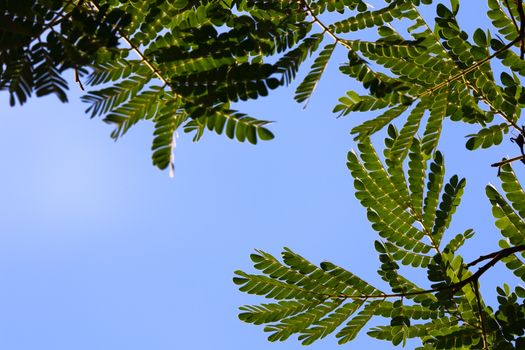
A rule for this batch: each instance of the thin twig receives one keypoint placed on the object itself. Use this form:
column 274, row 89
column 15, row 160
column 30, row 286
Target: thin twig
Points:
column 506, row 251
column 522, row 28
column 507, row 161
column 495, row 258
column 512, row 16
column 77, row 79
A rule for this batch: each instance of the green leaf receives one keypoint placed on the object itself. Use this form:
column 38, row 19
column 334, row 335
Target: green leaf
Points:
column 416, row 176
column 510, row 224
column 449, row 201
column 167, row 121
column 434, row 186
column 352, row 328
column 434, row 125
column 402, row 144
column 487, row 137
column 371, row 19
column 306, row 88
column 373, row 125
column 513, row 189
column 234, row 124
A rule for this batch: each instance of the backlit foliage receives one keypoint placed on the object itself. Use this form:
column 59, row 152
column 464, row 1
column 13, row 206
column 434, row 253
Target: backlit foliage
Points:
column 425, row 74
column 182, row 63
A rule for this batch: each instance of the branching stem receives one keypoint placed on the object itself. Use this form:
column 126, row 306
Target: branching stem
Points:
column 495, row 258
column 323, row 26
column 137, row 51
column 468, row 70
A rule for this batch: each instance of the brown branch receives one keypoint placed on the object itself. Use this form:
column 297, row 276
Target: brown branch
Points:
column 77, row 79
column 507, row 161
column 506, row 251
column 495, row 258
column 522, row 28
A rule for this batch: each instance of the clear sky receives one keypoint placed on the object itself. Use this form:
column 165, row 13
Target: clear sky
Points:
column 100, row 250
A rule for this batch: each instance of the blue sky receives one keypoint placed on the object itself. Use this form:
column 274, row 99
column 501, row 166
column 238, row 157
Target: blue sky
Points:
column 100, row 250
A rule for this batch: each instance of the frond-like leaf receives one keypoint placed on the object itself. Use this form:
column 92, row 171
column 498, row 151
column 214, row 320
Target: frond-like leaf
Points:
column 434, row 125
column 510, row 224
column 416, row 176
column 306, row 88
column 434, row 185
column 329, row 324
column 487, row 137
column 167, row 121
column 235, row 124
column 388, row 217
column 300, row 323
column 402, row 144
column 319, row 299
column 143, row 106
column 513, row 263
column 266, row 313
column 105, row 100
column 501, row 21
column 369, row 19
column 288, row 65
column 458, row 241
column 449, row 202
column 352, row 328
column 513, row 190
column 115, row 70
column 373, row 125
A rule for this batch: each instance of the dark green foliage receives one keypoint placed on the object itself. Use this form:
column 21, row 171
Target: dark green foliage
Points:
column 39, row 40
column 199, row 56
column 213, row 54
column 305, row 89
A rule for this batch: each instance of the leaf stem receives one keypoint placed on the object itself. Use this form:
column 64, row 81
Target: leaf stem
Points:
column 468, row 70
column 323, row 26
column 512, row 16
column 137, row 51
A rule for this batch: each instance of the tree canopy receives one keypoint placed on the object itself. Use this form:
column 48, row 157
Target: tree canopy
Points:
column 183, row 63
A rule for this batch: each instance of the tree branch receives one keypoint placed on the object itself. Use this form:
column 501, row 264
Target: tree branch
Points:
column 495, row 258
column 507, row 161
